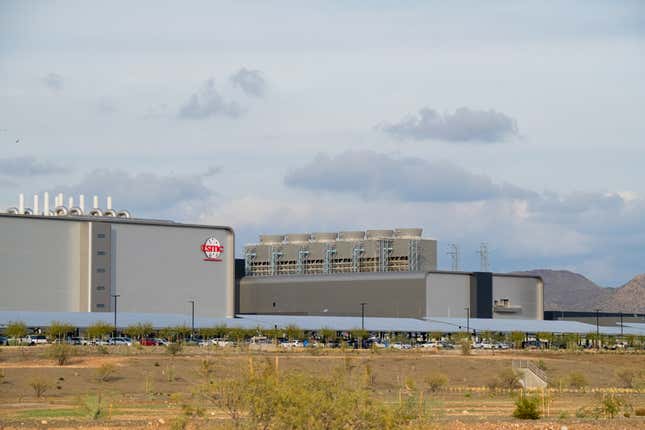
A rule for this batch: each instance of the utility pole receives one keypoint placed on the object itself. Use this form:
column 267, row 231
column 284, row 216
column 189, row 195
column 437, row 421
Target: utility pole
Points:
column 621, row 325
column 115, row 301
column 467, row 309
column 192, row 319
column 363, row 315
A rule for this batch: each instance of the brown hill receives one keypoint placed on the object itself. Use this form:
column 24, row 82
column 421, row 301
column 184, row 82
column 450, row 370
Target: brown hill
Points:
column 569, row 291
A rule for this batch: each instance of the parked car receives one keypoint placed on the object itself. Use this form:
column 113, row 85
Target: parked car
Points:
column 120, row 341
column 149, row 341
column 291, row 344
column 447, row 345
column 399, row 345
column 4, row 340
column 35, row 339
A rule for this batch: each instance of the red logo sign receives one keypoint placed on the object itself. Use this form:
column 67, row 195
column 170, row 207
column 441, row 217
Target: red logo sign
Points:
column 212, row 249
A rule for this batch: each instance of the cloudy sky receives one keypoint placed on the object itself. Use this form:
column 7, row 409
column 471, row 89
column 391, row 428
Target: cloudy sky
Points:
column 519, row 124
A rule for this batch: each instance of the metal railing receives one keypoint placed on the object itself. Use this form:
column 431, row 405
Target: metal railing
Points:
column 530, row 365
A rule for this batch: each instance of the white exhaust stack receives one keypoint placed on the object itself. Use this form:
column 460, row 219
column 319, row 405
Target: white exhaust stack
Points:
column 60, row 202
column 109, row 202
column 81, row 202
column 46, row 203
column 95, row 202
column 35, row 204
column 21, row 203
column 70, row 202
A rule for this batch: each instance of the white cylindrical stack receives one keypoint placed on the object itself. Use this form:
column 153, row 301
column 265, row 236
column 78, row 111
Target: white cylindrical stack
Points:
column 109, row 202
column 81, row 202
column 21, row 203
column 46, row 203
column 95, row 202
column 35, row 204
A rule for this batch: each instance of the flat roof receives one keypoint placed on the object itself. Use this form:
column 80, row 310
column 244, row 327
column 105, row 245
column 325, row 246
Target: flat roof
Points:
column 339, row 276
column 115, row 220
column 313, row 323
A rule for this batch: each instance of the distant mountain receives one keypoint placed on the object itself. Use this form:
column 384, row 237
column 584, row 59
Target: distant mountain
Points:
column 569, row 291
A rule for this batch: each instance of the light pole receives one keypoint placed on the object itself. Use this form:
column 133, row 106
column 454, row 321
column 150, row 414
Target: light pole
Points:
column 467, row 309
column 597, row 330
column 621, row 326
column 192, row 319
column 363, row 315
column 115, row 297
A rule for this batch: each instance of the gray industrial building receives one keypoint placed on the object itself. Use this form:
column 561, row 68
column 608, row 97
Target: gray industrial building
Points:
column 69, row 260
column 422, row 294
column 400, row 250
column 393, row 271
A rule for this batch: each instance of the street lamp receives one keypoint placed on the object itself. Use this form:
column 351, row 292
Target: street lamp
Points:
column 115, row 297
column 597, row 330
column 192, row 320
column 363, row 315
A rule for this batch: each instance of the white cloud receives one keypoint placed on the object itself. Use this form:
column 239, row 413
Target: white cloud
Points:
column 53, row 81
column 465, row 125
column 250, row 81
column 207, row 103
column 28, row 166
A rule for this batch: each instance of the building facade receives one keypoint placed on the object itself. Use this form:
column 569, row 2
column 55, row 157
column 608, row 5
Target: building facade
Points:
column 396, row 295
column 79, row 263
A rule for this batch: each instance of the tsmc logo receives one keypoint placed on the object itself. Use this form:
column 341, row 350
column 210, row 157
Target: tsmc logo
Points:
column 212, row 249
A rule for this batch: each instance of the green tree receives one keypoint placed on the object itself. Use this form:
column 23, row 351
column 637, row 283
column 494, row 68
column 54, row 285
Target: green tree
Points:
column 139, row 330
column 359, row 335
column 99, row 330
column 60, row 330
column 16, row 330
column 293, row 332
column 327, row 335
column 517, row 337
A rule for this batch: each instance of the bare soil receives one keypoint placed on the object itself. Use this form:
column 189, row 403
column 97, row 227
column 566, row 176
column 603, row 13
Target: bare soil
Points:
column 145, row 386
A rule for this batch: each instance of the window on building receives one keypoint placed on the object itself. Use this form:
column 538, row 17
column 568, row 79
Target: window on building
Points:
column 100, row 252
column 101, row 235
column 100, row 305
column 100, row 288
column 100, row 270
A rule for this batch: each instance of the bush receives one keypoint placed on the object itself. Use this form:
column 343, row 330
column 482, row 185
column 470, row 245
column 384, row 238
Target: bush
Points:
column 577, row 380
column 506, row 379
column 40, row 386
column 16, row 329
column 174, row 348
column 92, row 406
column 527, row 408
column 466, row 346
column 610, row 405
column 105, row 372
column 436, row 382
column 61, row 353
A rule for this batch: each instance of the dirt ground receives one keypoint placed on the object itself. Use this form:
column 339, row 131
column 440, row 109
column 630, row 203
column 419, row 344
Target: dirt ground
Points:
column 147, row 384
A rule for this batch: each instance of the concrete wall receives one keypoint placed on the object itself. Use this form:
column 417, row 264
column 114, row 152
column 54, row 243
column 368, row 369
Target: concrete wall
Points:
column 61, row 264
column 40, row 265
column 387, row 295
column 448, row 294
column 160, row 268
column 525, row 292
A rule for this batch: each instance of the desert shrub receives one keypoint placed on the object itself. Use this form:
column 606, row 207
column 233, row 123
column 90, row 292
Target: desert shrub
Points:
column 40, row 386
column 92, row 406
column 105, row 372
column 577, row 380
column 436, row 382
column 527, row 408
column 506, row 379
column 174, row 348
column 610, row 405
column 179, row 423
column 102, row 349
column 639, row 412
column 631, row 378
column 207, row 368
column 465, row 346
column 260, row 399
column 61, row 353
